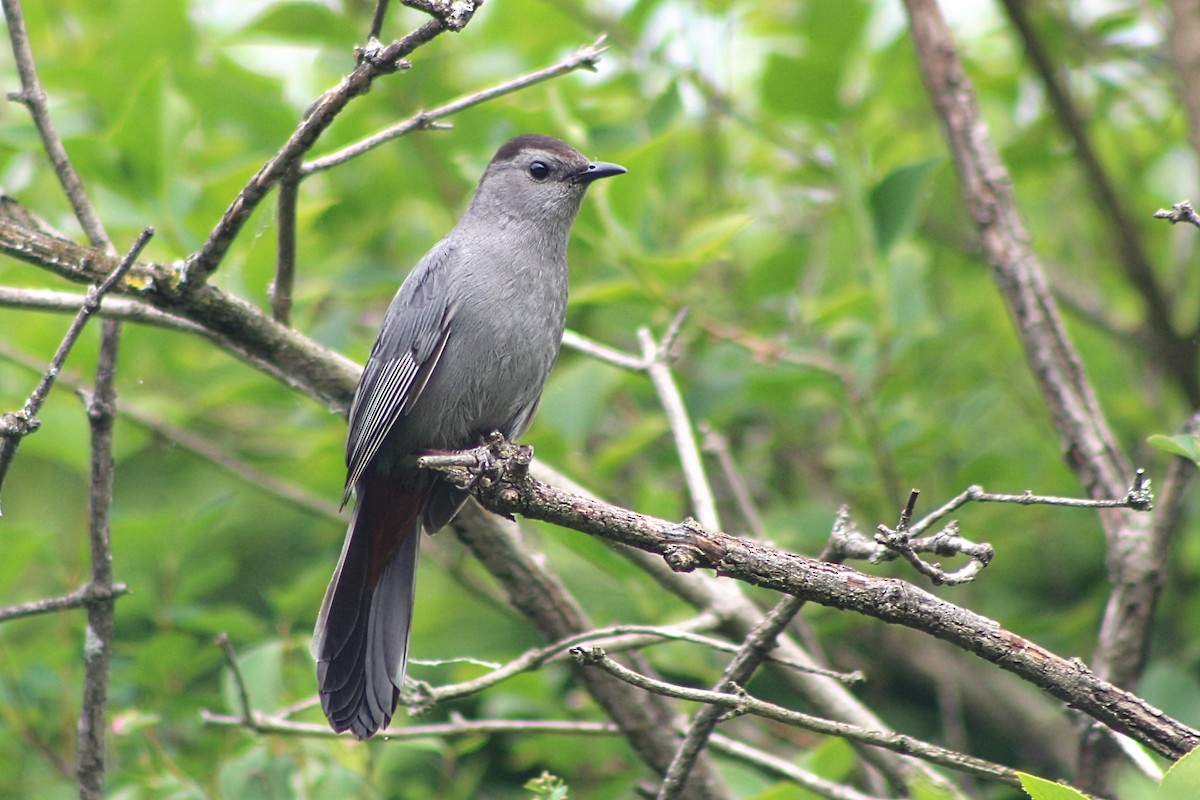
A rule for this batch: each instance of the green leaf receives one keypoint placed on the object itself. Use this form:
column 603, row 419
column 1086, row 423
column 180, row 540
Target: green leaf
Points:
column 258, row 773
column 1042, row 789
column 1184, row 445
column 924, row 789
column 261, row 668
column 811, row 85
column 895, row 201
column 548, row 787
column 311, row 21
column 1182, row 781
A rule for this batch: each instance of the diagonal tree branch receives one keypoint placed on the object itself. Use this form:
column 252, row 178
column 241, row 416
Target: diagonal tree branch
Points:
column 1136, row 563
column 510, row 490
column 374, row 62
column 1178, row 353
column 14, row 426
column 583, row 58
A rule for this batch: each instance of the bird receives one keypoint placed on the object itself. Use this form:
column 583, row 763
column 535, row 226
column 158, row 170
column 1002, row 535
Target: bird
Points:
column 463, row 352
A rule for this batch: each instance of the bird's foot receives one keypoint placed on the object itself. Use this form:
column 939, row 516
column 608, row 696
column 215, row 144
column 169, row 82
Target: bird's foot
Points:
column 482, row 465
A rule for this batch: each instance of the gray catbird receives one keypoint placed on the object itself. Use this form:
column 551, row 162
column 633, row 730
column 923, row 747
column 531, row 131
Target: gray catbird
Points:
column 464, row 350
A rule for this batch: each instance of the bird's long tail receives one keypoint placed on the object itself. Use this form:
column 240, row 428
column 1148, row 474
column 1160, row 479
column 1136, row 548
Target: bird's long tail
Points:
column 361, row 637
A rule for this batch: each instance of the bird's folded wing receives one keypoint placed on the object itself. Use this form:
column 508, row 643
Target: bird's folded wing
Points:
column 410, row 343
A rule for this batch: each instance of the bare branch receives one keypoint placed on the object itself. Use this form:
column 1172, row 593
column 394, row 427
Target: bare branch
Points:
column 373, row 63
column 539, row 594
column 98, row 644
column 15, row 425
column 1136, row 561
column 1177, row 352
column 740, row 616
column 603, row 353
column 742, row 703
column 280, row 725
column 584, row 58
column 122, row 308
column 718, row 444
column 381, row 7
column 785, row 769
column 280, row 290
column 200, row 446
column 510, row 490
column 1180, row 212
column 76, row 599
column 239, row 327
column 248, row 716
column 657, row 356
column 737, row 672
column 34, row 97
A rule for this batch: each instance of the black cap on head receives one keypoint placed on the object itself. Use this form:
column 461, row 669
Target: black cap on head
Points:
column 595, row 170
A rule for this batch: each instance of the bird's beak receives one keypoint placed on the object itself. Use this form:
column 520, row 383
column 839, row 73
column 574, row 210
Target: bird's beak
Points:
column 599, row 169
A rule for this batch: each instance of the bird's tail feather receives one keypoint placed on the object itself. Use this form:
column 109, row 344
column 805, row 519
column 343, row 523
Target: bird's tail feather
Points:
column 361, row 637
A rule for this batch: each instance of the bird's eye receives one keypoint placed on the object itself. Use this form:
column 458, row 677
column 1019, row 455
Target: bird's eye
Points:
column 539, row 171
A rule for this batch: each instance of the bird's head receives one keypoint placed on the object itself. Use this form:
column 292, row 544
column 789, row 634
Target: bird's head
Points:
column 536, row 177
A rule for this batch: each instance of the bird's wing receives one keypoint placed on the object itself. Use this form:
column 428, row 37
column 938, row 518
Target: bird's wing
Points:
column 411, row 340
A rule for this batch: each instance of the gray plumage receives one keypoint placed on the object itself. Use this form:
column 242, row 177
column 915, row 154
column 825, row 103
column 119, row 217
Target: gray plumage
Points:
column 464, row 350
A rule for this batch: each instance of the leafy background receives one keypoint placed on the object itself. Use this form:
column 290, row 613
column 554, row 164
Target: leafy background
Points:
column 787, row 184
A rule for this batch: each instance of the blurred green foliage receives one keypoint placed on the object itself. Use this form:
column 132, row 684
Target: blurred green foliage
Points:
column 787, row 184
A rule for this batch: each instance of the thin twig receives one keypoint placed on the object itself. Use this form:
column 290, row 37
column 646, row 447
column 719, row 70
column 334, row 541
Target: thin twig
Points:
column 280, row 725
column 584, row 58
column 1136, row 499
column 738, row 672
column 742, row 703
column 1180, row 212
column 608, row 355
column 18, row 424
column 374, row 63
column 123, row 308
column 425, row 697
column 773, row 765
column 616, row 638
column 200, row 446
column 657, row 356
column 34, row 97
column 381, row 7
column 76, row 599
column 718, row 444
column 248, row 716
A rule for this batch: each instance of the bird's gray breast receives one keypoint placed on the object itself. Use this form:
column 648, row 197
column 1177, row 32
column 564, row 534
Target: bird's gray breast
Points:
column 508, row 308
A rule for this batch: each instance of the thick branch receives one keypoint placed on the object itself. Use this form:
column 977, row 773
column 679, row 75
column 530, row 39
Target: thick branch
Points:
column 1136, row 565
column 740, row 617
column 686, row 546
column 543, row 599
column 239, row 327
